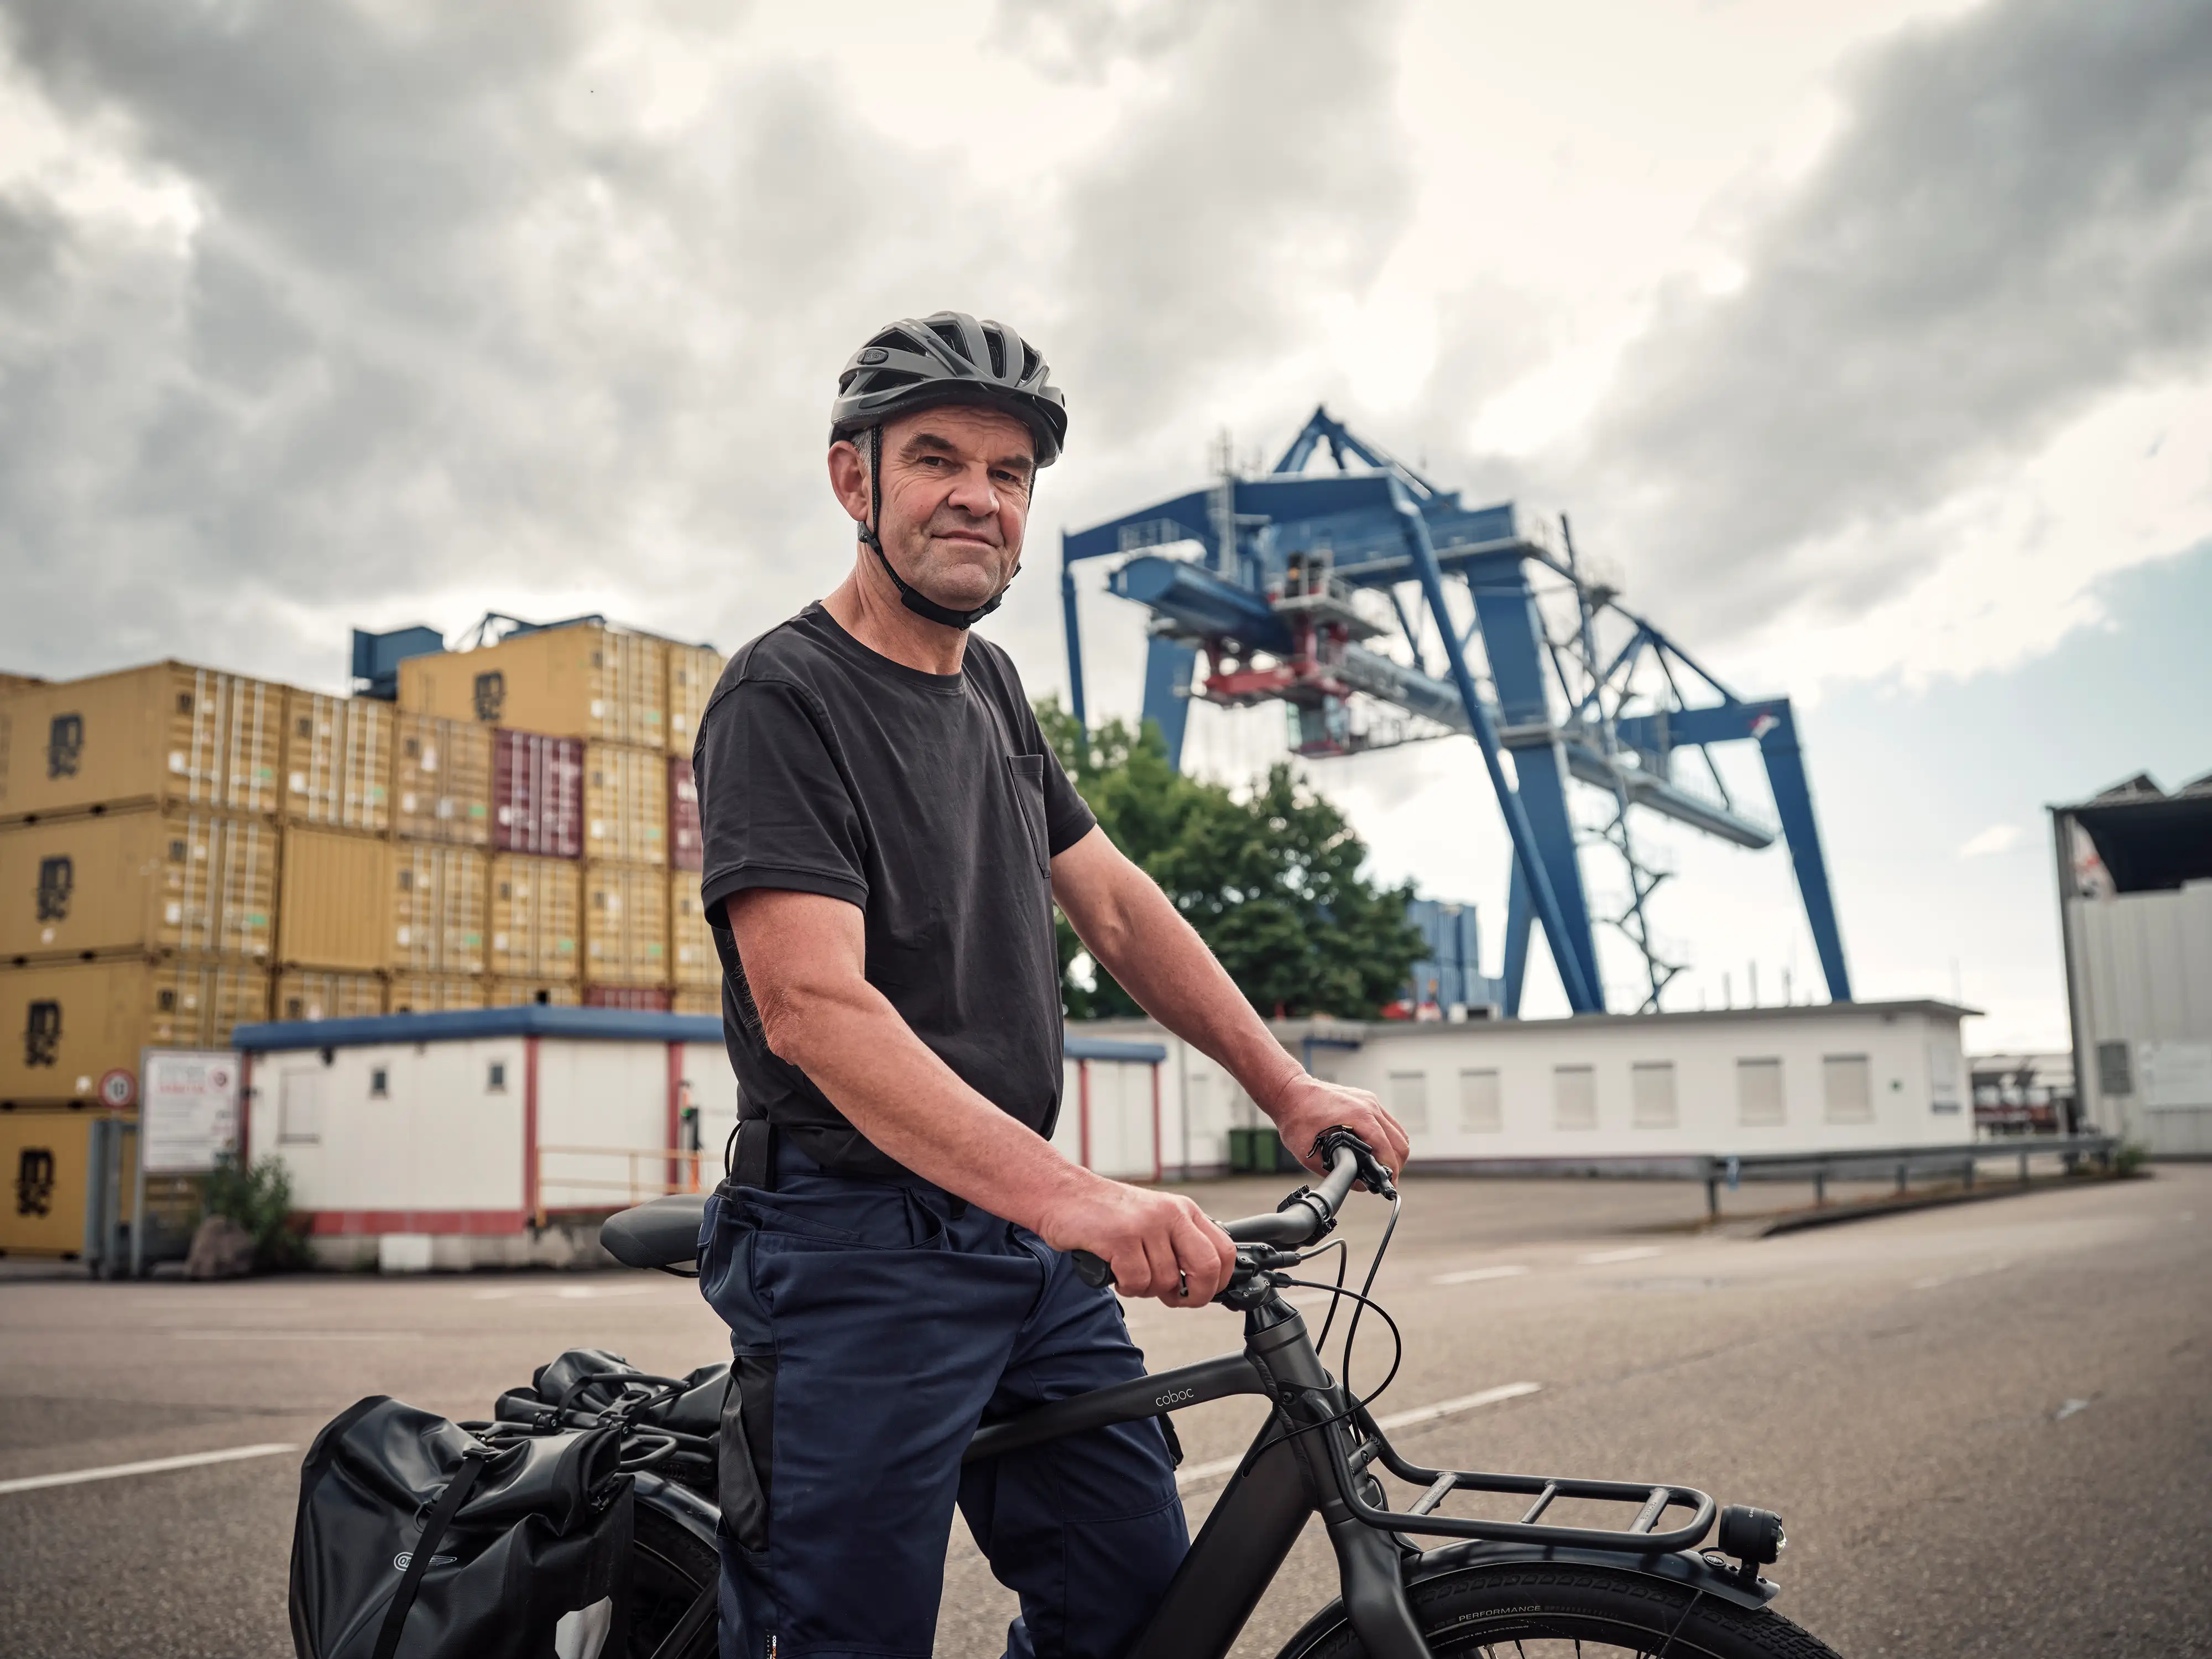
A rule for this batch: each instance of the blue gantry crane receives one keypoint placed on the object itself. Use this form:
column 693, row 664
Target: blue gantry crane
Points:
column 1285, row 585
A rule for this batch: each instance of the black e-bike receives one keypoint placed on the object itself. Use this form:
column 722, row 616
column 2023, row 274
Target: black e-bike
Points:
column 1530, row 1587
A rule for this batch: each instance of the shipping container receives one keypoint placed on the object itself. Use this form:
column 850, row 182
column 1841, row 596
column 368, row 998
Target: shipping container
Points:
column 47, row 1155
column 584, row 680
column 335, row 911
column 338, row 761
column 436, row 994
column 692, row 958
column 645, row 999
column 164, row 735
column 625, row 926
column 692, row 672
column 686, row 847
column 66, row 1024
column 442, row 782
column 687, row 999
column 536, row 905
column 538, row 794
column 519, row 992
column 137, row 883
column 625, row 805
column 437, row 910
column 304, row 994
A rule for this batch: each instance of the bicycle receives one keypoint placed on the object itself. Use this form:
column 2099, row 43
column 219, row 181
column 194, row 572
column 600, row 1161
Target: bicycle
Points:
column 1531, row 1587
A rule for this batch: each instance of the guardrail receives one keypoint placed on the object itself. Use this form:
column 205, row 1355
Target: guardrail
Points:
column 649, row 1172
column 1901, row 1163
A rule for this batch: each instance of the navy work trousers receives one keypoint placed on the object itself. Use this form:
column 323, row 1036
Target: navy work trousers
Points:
column 872, row 1327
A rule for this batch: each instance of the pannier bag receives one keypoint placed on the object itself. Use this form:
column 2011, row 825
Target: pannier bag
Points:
column 670, row 1423
column 417, row 1538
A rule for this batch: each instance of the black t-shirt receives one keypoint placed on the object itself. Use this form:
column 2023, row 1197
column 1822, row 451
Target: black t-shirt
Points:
column 932, row 802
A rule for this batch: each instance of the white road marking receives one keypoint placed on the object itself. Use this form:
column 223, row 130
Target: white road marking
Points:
column 297, row 1336
column 151, row 1466
column 1186, row 1478
column 2068, row 1409
column 1475, row 1275
column 1634, row 1253
column 1957, row 1278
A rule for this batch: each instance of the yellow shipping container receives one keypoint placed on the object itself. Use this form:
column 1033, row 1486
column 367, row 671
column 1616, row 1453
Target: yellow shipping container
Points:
column 585, row 680
column 48, row 1155
column 138, row 883
column 534, row 917
column 437, row 911
column 338, row 761
column 168, row 734
column 689, row 1000
column 442, row 782
column 335, row 911
column 78, row 1020
column 520, row 993
column 692, row 672
column 626, row 805
column 436, row 994
column 303, row 993
column 625, row 926
column 692, row 960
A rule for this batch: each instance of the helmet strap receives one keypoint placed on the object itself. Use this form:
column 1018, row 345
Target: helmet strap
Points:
column 910, row 595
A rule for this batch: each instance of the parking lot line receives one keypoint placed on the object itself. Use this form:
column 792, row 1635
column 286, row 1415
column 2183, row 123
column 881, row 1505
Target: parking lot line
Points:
column 1634, row 1253
column 1405, row 1419
column 1473, row 1275
column 151, row 1466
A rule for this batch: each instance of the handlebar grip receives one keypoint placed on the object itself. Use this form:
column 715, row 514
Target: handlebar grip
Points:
column 1091, row 1269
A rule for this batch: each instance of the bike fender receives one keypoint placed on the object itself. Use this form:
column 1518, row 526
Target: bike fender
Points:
column 1685, row 1567
column 678, row 1504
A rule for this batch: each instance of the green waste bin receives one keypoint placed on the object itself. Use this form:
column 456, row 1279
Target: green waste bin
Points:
column 1244, row 1152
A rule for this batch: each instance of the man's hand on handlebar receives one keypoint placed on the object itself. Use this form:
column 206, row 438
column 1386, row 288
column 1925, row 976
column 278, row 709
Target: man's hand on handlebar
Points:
column 1308, row 1105
column 1158, row 1244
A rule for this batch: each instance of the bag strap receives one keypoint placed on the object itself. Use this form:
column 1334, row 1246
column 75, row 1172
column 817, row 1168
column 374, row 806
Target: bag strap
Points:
column 433, row 1532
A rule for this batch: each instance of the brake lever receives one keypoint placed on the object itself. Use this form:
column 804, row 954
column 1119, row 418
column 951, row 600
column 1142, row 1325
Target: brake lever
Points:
column 1372, row 1176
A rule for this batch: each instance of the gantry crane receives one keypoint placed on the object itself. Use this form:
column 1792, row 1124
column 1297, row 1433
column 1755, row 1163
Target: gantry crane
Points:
column 1276, row 601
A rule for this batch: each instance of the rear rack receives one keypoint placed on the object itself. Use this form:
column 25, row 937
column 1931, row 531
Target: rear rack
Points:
column 1640, row 1537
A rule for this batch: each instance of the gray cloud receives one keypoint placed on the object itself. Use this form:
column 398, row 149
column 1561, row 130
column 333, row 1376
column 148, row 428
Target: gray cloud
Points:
column 450, row 330
column 2015, row 222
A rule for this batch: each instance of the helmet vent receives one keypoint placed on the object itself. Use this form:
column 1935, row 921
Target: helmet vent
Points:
column 950, row 336
column 997, row 345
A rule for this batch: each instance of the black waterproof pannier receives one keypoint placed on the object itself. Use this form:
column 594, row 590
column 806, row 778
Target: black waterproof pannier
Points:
column 419, row 1538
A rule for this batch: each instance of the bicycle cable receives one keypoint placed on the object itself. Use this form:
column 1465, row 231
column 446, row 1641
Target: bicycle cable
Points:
column 1398, row 1356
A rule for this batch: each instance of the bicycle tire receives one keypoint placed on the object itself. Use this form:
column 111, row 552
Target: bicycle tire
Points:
column 670, row 1565
column 1523, row 1607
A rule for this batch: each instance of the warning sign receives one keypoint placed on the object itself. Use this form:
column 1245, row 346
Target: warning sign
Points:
column 189, row 1117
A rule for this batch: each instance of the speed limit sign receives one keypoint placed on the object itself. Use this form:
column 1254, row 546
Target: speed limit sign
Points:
column 117, row 1089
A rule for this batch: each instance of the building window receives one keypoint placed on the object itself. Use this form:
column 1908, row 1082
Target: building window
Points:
column 1481, row 1106
column 1651, row 1094
column 1846, row 1092
column 495, row 1078
column 1758, row 1093
column 379, row 1082
column 300, row 1108
column 1409, row 1101
column 1574, row 1097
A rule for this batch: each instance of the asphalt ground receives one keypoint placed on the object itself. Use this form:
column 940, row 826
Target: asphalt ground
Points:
column 1989, row 1427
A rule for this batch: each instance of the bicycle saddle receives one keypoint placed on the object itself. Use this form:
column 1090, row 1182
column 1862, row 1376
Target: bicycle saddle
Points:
column 664, row 1233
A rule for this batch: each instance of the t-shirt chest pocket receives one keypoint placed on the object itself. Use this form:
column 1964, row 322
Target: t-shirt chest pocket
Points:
column 1026, row 772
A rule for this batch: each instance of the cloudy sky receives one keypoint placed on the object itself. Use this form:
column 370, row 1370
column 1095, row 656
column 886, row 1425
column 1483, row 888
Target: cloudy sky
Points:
column 1867, row 342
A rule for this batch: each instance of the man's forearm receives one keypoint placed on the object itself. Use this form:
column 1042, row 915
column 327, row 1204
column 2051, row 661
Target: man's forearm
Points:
column 854, row 1047
column 1158, row 958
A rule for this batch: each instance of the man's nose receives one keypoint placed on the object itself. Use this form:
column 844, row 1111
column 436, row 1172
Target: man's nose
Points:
column 974, row 493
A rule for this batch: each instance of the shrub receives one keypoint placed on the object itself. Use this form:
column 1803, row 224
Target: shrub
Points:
column 259, row 1200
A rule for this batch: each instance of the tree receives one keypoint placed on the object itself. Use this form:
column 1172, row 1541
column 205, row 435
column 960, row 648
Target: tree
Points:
column 1272, row 881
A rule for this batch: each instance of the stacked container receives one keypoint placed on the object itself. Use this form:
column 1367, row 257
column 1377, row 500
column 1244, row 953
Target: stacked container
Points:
column 140, row 857
column 441, row 780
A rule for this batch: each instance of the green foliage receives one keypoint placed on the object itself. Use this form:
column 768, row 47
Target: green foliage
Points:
column 259, row 1200
column 1272, row 881
column 2129, row 1157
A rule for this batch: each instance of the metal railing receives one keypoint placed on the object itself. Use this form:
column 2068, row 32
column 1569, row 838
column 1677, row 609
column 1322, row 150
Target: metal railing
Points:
column 1898, row 1163
column 648, row 1172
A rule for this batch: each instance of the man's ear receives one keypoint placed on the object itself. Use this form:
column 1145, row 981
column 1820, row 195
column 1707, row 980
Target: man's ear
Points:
column 848, row 478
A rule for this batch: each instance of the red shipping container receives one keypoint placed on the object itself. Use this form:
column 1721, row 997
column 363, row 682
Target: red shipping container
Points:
column 686, row 850
column 648, row 999
column 538, row 794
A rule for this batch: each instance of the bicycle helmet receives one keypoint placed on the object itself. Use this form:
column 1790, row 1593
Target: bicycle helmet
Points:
column 924, row 363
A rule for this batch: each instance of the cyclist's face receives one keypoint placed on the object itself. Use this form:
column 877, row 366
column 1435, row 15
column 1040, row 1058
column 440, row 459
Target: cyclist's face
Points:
column 956, row 500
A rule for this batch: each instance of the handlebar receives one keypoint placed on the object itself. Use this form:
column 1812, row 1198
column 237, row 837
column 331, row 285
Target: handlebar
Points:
column 1305, row 1216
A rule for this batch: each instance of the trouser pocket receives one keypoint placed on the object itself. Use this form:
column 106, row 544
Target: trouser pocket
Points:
column 743, row 1472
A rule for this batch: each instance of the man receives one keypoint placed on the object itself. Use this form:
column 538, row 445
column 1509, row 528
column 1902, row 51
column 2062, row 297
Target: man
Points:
column 886, row 833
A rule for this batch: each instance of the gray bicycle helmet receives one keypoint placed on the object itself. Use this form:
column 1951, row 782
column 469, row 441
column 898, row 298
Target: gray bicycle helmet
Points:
column 925, row 362
column 948, row 358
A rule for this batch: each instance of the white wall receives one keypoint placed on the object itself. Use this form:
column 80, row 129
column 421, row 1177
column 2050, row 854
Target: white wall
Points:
column 2143, row 980
column 1916, row 1086
column 1119, row 1117
column 605, row 1095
